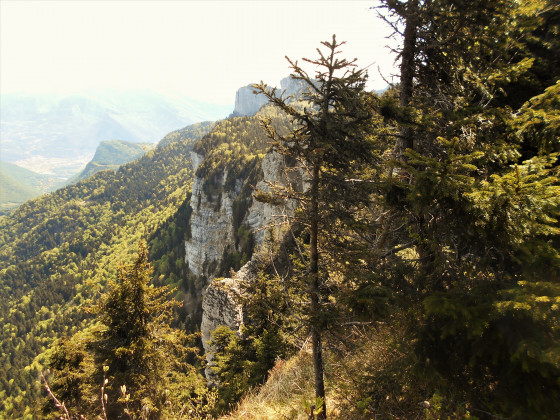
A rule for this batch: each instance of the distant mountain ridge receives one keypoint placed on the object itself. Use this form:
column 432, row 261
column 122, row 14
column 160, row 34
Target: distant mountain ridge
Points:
column 17, row 185
column 110, row 155
column 45, row 132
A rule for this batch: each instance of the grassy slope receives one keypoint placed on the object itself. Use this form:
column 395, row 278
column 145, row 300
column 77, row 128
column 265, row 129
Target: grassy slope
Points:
column 14, row 191
column 371, row 375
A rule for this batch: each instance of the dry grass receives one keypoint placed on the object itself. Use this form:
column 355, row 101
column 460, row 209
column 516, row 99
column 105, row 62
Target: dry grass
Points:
column 366, row 380
column 281, row 397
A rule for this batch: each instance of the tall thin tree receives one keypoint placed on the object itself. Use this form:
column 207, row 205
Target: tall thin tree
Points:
column 329, row 141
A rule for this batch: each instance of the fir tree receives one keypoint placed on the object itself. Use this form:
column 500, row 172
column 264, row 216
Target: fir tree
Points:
column 478, row 192
column 331, row 143
column 132, row 352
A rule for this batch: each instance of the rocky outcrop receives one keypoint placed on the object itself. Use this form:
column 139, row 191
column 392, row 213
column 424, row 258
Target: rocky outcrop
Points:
column 220, row 303
column 248, row 102
column 211, row 224
column 292, row 87
column 276, row 171
column 224, row 212
column 222, row 306
column 196, row 160
column 211, row 227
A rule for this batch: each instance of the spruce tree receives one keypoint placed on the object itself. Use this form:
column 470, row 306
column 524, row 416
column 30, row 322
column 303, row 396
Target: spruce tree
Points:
column 131, row 353
column 331, row 143
column 137, row 343
column 477, row 189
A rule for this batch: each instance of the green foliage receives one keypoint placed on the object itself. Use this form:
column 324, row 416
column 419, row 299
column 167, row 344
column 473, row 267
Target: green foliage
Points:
column 13, row 192
column 478, row 193
column 167, row 255
column 430, row 224
column 539, row 120
column 192, row 132
column 132, row 351
column 242, row 362
column 109, row 155
column 136, row 342
column 58, row 251
column 235, row 147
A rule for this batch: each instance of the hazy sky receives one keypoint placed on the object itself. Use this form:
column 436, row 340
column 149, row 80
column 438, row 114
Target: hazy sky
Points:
column 205, row 50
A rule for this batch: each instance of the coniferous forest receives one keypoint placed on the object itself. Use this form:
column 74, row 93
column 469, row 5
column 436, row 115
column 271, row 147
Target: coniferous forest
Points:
column 410, row 268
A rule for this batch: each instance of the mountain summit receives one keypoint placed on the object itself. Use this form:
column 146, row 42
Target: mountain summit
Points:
column 247, row 102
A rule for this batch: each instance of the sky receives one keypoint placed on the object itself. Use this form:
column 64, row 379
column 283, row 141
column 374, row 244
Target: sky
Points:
column 205, row 50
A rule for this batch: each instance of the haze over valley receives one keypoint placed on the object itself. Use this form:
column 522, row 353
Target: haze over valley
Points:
column 57, row 135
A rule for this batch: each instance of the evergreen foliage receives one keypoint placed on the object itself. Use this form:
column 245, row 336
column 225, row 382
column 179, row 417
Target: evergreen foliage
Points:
column 477, row 188
column 192, row 132
column 330, row 141
column 131, row 350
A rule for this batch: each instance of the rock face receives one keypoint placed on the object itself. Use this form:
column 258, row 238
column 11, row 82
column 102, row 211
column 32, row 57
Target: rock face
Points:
column 248, row 103
column 211, row 224
column 222, row 306
column 215, row 223
column 275, row 170
column 213, row 235
column 196, row 160
column 211, row 227
column 292, row 87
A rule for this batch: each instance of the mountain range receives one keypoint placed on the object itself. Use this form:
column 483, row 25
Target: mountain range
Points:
column 58, row 135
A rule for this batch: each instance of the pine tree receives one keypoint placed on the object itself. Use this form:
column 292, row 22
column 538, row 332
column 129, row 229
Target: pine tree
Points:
column 137, row 344
column 331, row 143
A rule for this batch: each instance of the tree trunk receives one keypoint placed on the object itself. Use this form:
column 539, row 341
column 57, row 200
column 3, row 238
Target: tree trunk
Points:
column 408, row 66
column 314, row 291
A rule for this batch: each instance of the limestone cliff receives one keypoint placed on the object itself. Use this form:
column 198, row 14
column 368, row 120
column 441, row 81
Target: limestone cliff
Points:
column 211, row 226
column 222, row 306
column 226, row 224
column 247, row 102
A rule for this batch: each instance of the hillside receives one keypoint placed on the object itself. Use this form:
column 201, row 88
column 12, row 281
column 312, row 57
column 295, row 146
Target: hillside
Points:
column 14, row 192
column 109, row 155
column 59, row 249
column 193, row 131
column 19, row 185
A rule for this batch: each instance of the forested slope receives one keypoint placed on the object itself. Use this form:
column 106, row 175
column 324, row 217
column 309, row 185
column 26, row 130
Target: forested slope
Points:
column 109, row 155
column 58, row 250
